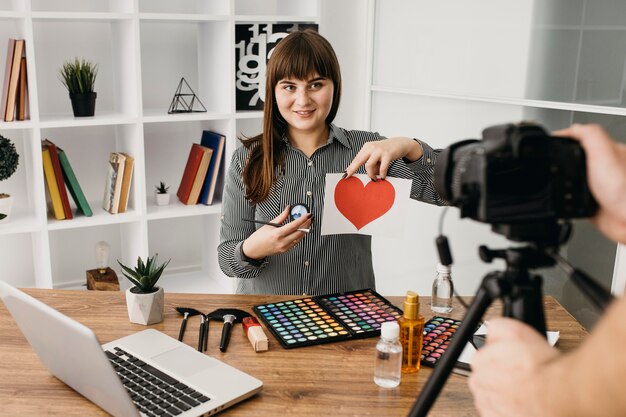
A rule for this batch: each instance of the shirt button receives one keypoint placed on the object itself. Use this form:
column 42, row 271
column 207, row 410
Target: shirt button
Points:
column 305, row 294
column 310, row 163
column 222, row 217
column 308, row 193
column 306, row 263
column 428, row 160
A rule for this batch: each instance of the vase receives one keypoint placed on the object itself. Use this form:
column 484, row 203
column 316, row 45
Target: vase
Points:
column 83, row 104
column 162, row 199
column 6, row 202
column 145, row 308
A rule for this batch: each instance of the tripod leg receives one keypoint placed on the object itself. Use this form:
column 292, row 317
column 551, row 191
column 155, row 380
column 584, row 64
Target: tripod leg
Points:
column 488, row 291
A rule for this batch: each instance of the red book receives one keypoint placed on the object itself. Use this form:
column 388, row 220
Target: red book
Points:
column 189, row 175
column 58, row 173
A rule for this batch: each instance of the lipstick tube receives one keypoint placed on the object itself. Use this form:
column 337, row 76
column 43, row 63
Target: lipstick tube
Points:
column 252, row 328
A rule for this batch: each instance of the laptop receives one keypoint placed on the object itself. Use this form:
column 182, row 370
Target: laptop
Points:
column 145, row 374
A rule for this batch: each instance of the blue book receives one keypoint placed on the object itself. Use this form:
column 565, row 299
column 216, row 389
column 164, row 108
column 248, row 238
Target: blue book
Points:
column 210, row 188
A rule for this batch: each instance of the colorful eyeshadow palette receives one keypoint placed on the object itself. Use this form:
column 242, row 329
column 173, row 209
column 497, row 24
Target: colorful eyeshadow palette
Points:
column 327, row 318
column 438, row 332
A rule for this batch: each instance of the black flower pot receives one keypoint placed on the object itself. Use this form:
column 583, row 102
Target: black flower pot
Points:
column 83, row 104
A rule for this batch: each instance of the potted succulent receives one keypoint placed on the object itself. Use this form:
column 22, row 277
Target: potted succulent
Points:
column 9, row 159
column 79, row 76
column 145, row 302
column 161, row 195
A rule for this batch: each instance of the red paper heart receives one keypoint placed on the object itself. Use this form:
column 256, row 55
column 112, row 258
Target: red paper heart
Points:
column 362, row 205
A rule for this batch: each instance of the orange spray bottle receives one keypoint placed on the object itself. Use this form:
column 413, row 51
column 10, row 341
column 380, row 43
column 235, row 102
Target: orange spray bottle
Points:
column 411, row 333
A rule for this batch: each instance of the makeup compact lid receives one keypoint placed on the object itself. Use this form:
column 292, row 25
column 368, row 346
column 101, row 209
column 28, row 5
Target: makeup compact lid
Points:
column 390, row 330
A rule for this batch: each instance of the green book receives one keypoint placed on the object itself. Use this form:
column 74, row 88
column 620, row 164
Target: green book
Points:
column 72, row 184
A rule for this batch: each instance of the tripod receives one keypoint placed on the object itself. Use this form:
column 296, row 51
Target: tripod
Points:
column 522, row 298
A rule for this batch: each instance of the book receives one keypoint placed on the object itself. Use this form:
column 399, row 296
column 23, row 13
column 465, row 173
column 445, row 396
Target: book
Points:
column 129, row 165
column 21, row 92
column 51, row 182
column 58, row 173
column 113, row 183
column 18, row 50
column 200, row 178
column 72, row 184
column 216, row 142
column 7, row 77
column 189, row 174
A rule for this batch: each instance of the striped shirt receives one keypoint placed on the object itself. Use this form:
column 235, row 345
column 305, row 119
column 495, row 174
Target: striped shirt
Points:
column 318, row 264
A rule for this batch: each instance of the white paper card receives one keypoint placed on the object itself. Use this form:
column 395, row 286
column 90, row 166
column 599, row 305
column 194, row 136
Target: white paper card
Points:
column 358, row 205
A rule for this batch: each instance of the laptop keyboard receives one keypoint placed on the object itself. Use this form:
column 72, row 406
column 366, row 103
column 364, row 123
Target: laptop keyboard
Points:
column 154, row 392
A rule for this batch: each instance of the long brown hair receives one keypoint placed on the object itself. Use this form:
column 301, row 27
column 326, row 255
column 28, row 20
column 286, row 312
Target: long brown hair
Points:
column 299, row 55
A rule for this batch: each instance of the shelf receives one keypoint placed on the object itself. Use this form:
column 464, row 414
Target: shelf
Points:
column 100, row 218
column 171, row 17
column 177, row 209
column 102, row 118
column 80, row 16
column 161, row 115
column 20, row 223
column 249, row 114
column 274, row 19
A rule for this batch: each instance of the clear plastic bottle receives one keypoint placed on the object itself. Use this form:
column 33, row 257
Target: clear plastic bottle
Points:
column 443, row 290
column 388, row 356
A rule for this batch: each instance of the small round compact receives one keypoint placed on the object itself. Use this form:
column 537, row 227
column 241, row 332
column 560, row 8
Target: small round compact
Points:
column 297, row 211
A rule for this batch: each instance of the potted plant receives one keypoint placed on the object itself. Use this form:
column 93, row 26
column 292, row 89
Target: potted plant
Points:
column 161, row 195
column 79, row 76
column 9, row 160
column 145, row 301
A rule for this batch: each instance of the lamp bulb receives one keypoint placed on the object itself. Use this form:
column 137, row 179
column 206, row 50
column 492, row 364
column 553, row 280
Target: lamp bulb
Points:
column 103, row 249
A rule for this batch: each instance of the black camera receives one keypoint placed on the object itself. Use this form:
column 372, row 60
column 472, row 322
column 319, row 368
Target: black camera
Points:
column 516, row 175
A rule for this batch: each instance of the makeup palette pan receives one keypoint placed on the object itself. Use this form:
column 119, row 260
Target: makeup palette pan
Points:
column 327, row 318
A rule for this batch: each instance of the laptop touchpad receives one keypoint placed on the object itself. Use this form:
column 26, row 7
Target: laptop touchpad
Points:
column 181, row 362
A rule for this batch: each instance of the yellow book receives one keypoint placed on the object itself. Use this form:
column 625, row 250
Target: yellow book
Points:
column 53, row 187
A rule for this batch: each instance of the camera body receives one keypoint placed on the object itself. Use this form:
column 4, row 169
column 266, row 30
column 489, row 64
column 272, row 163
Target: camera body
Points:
column 517, row 174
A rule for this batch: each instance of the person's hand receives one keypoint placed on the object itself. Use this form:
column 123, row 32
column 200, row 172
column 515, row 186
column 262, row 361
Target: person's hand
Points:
column 507, row 371
column 270, row 240
column 606, row 175
column 376, row 156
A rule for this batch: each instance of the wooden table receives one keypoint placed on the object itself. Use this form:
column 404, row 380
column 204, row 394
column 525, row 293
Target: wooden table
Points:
column 331, row 379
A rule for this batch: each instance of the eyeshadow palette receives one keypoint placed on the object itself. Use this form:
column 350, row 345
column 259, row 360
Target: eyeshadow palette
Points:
column 438, row 332
column 327, row 318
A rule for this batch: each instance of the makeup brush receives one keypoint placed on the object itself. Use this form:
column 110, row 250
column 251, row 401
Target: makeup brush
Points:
column 186, row 312
column 228, row 316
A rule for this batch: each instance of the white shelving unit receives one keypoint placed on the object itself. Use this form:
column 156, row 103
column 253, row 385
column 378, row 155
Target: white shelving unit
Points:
column 143, row 48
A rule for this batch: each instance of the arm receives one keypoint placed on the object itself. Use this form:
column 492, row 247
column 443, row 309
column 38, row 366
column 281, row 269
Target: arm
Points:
column 238, row 235
column 381, row 158
column 518, row 374
column 606, row 174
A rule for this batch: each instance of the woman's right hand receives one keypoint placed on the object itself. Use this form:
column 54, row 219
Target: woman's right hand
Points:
column 270, row 240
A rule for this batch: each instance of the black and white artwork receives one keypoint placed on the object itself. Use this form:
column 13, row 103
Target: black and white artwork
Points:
column 253, row 47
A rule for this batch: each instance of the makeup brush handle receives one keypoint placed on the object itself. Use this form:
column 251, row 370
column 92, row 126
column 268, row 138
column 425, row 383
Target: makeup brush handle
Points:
column 201, row 336
column 183, row 326
column 225, row 336
column 206, row 334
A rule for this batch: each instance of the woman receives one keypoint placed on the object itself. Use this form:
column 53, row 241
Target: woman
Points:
column 287, row 165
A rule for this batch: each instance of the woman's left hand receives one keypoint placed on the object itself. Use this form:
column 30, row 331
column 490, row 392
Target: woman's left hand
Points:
column 378, row 155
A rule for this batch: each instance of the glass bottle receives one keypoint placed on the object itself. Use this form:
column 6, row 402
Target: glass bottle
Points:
column 388, row 356
column 443, row 290
column 411, row 333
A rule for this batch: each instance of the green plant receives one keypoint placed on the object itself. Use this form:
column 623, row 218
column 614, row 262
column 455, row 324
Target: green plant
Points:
column 145, row 275
column 162, row 188
column 9, row 159
column 79, row 76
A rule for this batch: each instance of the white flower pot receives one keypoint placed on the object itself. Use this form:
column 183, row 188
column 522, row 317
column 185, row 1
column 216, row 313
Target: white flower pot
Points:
column 145, row 308
column 162, row 199
column 5, row 208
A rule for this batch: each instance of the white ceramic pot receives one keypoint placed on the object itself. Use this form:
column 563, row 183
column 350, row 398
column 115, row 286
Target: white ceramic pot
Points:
column 145, row 308
column 162, row 199
column 5, row 208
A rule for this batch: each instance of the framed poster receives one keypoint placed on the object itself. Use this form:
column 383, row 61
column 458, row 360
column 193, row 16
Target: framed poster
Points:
column 254, row 43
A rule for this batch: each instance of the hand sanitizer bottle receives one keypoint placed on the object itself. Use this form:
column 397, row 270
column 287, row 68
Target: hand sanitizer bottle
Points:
column 443, row 290
column 388, row 356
